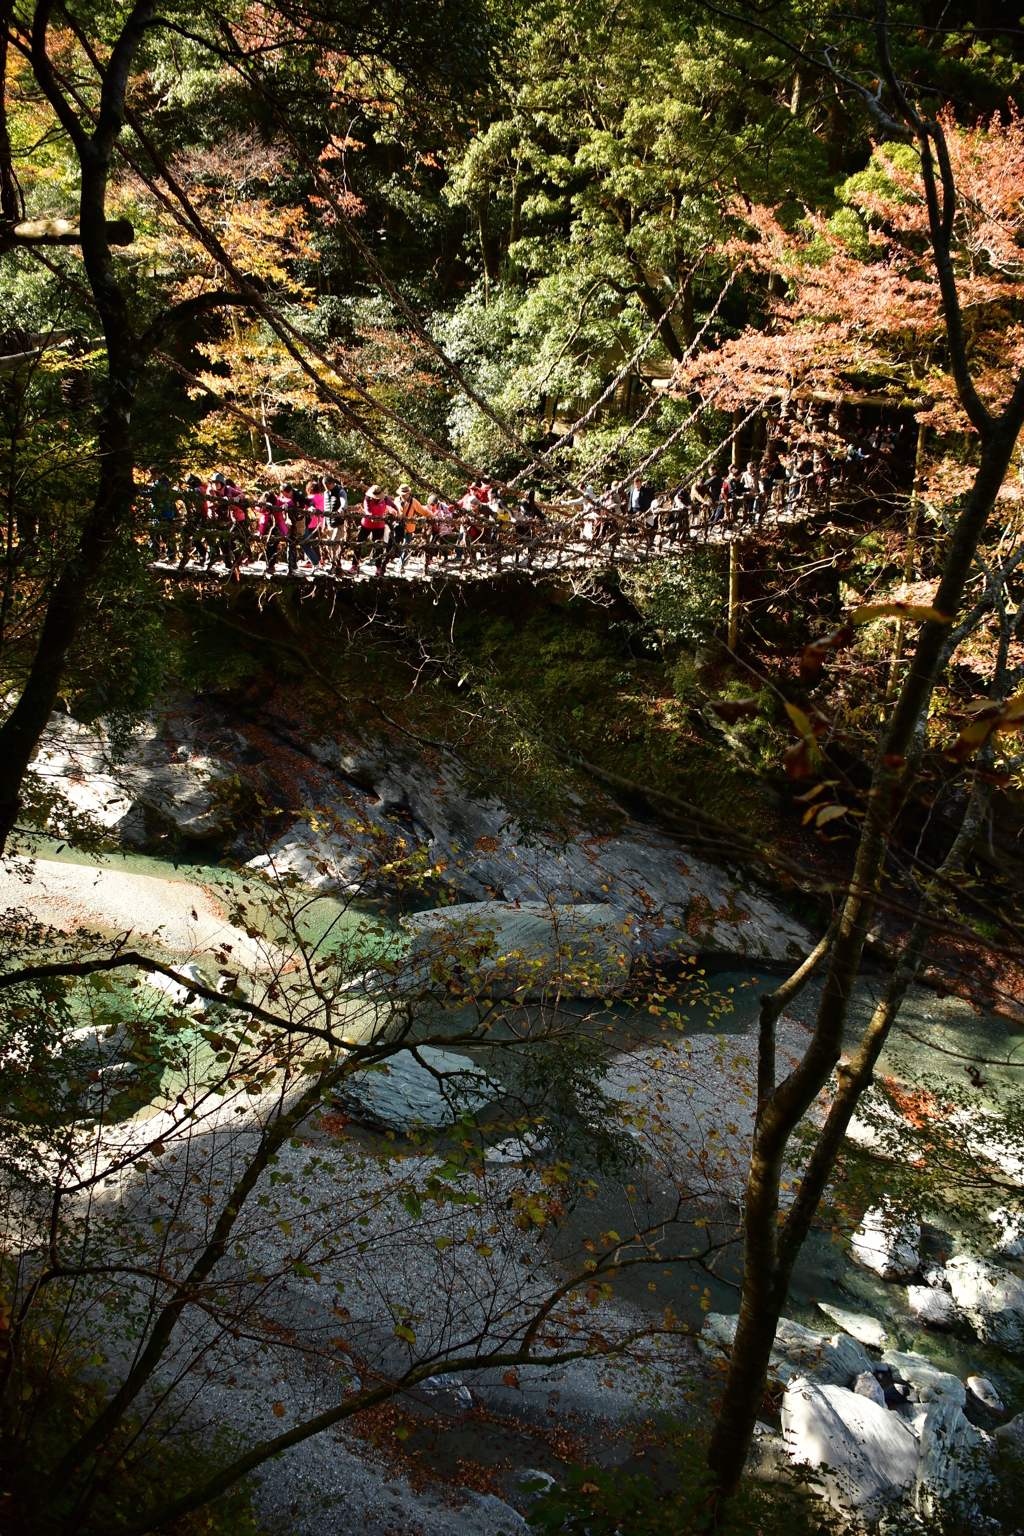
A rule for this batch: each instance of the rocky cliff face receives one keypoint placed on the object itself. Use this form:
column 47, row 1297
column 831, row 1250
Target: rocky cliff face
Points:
column 346, row 814
column 675, row 900
column 169, row 777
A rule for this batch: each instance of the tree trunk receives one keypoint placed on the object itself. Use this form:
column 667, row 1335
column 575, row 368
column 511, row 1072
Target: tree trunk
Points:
column 12, row 205
column 908, row 558
column 770, row 1251
column 734, row 593
column 656, row 310
column 65, row 610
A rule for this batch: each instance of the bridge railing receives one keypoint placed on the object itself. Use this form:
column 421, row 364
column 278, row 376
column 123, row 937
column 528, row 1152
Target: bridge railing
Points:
column 190, row 530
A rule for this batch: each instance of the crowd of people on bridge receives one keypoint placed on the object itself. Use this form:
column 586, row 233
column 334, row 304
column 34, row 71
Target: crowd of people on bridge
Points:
column 313, row 526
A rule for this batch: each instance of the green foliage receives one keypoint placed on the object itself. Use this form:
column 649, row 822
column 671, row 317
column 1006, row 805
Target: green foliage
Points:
column 875, row 181
column 41, row 1417
column 596, row 1502
column 681, row 597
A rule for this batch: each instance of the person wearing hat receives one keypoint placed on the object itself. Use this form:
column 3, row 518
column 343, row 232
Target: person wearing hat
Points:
column 410, row 511
column 377, row 509
column 218, row 512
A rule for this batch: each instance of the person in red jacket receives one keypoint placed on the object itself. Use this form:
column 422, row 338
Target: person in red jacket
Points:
column 377, row 509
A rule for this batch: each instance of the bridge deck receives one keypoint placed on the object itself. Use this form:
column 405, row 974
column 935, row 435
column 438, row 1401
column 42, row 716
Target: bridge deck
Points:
column 548, row 554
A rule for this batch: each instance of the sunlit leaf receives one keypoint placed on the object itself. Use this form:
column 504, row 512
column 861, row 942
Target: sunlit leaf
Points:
column 829, row 813
column 912, row 611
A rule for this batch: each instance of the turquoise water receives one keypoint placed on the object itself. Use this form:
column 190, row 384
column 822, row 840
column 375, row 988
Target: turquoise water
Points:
column 935, row 1040
column 320, row 921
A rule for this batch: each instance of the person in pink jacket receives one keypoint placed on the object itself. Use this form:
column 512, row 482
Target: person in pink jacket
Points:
column 377, row 508
column 272, row 526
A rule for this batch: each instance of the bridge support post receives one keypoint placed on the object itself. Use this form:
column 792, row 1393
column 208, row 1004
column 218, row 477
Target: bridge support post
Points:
column 734, row 593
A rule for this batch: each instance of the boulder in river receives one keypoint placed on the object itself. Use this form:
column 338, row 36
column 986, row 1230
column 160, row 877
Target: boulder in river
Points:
column 928, row 1378
column 986, row 1393
column 887, row 1243
column 799, row 1351
column 936, row 1308
column 867, row 1384
column 502, row 949
column 991, row 1298
column 866, row 1329
column 418, row 1086
column 954, row 1462
column 866, row 1456
column 174, row 990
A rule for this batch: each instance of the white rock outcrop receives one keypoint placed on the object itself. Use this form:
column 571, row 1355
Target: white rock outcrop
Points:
column 927, row 1377
column 798, row 1351
column 162, row 776
column 887, row 1243
column 870, row 1458
column 936, row 1308
column 1009, row 1241
column 1012, row 1432
column 991, row 1298
column 865, row 1328
column 954, row 1462
column 677, row 904
column 866, row 1457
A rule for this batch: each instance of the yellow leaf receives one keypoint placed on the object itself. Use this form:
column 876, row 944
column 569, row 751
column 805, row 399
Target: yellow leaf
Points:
column 912, row 611
column 278, row 1410
column 801, row 724
column 829, row 813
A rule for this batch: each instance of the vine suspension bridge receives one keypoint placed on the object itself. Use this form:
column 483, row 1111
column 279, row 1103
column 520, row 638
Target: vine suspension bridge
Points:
column 457, row 546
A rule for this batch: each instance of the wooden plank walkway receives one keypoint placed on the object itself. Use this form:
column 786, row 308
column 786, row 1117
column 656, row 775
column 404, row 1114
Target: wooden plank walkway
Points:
column 565, row 550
